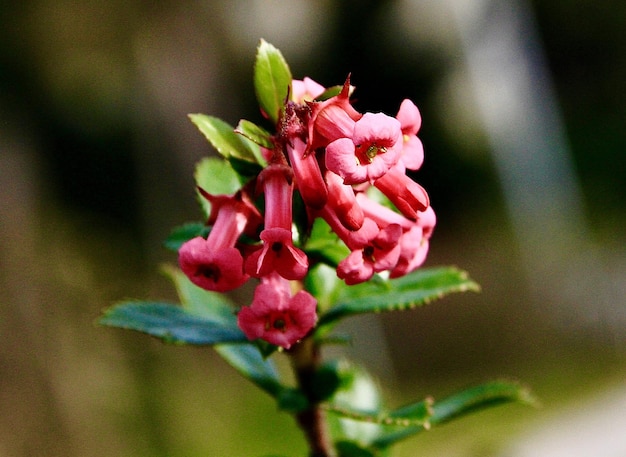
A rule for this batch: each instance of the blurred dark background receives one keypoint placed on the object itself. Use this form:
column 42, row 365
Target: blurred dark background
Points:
column 524, row 127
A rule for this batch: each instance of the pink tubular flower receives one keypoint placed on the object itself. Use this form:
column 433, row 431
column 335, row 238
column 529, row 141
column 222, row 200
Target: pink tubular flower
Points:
column 408, row 196
column 215, row 263
column 278, row 252
column 332, row 119
column 412, row 155
column 369, row 153
column 308, row 175
column 379, row 254
column 343, row 202
column 276, row 316
column 305, row 90
column 414, row 244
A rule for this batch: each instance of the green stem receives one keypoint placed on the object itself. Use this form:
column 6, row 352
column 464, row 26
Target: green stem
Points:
column 305, row 361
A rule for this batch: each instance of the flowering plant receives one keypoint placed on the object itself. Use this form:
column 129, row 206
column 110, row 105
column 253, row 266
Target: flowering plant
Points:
column 321, row 217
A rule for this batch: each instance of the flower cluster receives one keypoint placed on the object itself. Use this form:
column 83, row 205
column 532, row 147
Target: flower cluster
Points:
column 349, row 169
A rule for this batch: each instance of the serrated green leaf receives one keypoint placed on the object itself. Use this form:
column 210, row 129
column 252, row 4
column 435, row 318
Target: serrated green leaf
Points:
column 223, row 138
column 256, row 134
column 171, row 323
column 415, row 289
column 272, row 80
column 183, row 233
column 217, row 177
column 460, row 404
column 415, row 414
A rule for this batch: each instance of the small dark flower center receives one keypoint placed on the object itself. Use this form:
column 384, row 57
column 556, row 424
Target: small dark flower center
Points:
column 209, row 272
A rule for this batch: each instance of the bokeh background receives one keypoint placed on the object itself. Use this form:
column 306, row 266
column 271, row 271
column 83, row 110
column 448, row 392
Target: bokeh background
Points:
column 524, row 126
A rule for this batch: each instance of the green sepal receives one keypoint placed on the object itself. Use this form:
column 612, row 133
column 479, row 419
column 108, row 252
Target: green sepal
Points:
column 272, row 80
column 224, row 139
column 415, row 289
column 462, row 403
column 183, row 233
column 171, row 323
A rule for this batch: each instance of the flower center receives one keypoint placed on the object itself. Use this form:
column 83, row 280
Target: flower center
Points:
column 366, row 155
column 368, row 252
column 209, row 271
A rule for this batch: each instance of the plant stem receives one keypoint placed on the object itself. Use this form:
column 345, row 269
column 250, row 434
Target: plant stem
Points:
column 305, row 361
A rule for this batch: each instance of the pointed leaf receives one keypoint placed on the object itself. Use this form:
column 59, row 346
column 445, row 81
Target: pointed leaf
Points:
column 415, row 414
column 183, row 233
column 223, row 138
column 216, row 177
column 460, row 404
column 255, row 134
column 171, row 323
column 415, row 289
column 272, row 80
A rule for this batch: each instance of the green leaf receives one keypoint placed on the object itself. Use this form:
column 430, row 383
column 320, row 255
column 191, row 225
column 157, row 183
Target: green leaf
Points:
column 223, row 138
column 245, row 358
column 183, row 233
column 272, row 80
column 248, row 361
column 171, row 323
column 352, row 449
column 415, row 289
column 462, row 403
column 323, row 245
column 216, row 177
column 322, row 282
column 256, row 134
column 357, row 397
column 416, row 414
column 205, row 303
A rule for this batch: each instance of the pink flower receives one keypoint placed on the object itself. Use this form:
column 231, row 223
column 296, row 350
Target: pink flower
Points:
column 412, row 155
column 305, row 90
column 278, row 252
column 332, row 119
column 343, row 202
column 220, row 270
column 408, row 196
column 215, row 263
column 380, row 254
column 414, row 244
column 279, row 255
column 369, row 153
column 277, row 317
column 308, row 175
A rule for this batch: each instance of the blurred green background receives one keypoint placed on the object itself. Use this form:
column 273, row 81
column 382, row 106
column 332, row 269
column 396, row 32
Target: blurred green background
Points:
column 524, row 127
